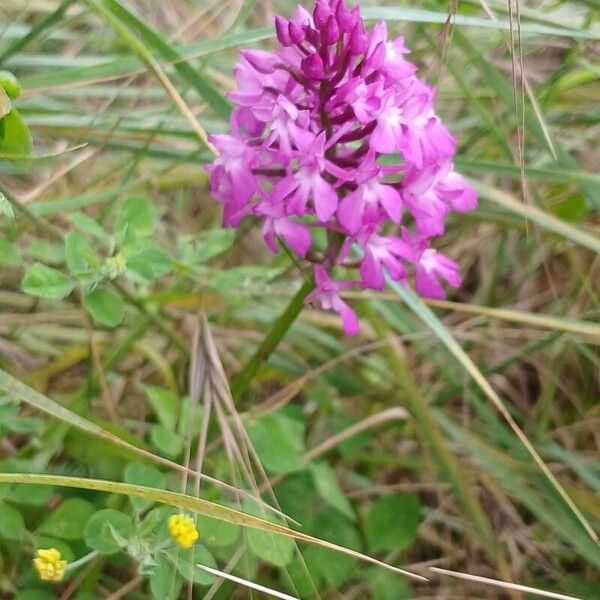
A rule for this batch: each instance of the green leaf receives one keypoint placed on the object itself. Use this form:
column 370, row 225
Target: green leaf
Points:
column 105, row 306
column 68, row 520
column 186, row 561
column 333, row 568
column 273, row 549
column 165, row 405
column 279, row 442
column 12, row 525
column 417, row 15
column 165, row 582
column 137, row 213
column 166, row 441
column 10, row 255
column 86, row 223
column 217, row 533
column 98, row 531
column 33, row 495
column 77, row 251
column 329, row 489
column 385, row 586
column 145, row 475
column 10, row 84
column 15, row 139
column 6, row 208
column 392, row 523
column 215, row 242
column 150, row 263
column 45, row 282
column 45, row 252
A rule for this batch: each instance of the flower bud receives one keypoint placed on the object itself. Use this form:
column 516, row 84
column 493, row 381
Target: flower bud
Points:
column 296, row 34
column 346, row 20
column 263, row 62
column 281, row 27
column 321, row 14
column 358, row 41
column 332, row 32
column 312, row 66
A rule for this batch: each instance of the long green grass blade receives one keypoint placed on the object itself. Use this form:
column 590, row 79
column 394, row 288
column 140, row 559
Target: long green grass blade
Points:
column 428, row 317
column 196, row 505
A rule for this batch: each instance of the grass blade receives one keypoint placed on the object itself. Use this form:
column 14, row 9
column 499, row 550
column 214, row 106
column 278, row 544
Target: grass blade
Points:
column 428, row 317
column 197, row 505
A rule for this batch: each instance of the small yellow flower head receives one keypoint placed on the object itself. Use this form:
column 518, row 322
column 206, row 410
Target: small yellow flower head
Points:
column 183, row 530
column 49, row 565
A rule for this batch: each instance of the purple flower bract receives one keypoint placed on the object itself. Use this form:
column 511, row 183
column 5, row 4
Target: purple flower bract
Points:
column 311, row 124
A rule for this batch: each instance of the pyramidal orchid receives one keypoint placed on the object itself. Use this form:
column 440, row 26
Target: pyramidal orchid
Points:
column 311, row 124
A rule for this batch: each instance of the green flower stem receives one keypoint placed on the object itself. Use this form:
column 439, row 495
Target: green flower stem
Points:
column 431, row 435
column 243, row 379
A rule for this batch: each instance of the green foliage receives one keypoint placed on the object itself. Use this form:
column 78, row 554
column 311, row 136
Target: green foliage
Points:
column 68, row 521
column 106, row 530
column 278, row 440
column 132, row 230
column 391, row 523
column 12, row 525
column 46, row 282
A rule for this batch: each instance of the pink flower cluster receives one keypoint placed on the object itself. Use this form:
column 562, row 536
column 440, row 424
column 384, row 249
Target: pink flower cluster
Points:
column 311, row 125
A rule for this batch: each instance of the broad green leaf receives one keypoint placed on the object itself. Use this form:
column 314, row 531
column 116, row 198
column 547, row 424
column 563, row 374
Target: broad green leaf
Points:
column 139, row 213
column 329, row 489
column 45, row 282
column 14, row 137
column 392, row 522
column 279, row 442
column 12, row 525
column 165, row 582
column 68, row 520
column 150, row 263
column 99, row 529
column 167, row 442
column 323, row 565
column 105, row 306
column 10, row 255
column 186, row 561
column 165, row 405
column 46, row 252
column 384, row 586
column 33, row 495
column 145, row 475
column 273, row 549
column 217, row 533
column 77, row 251
column 215, row 242
column 86, row 223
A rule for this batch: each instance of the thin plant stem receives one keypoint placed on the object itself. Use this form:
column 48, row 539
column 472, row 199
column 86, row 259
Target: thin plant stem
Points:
column 243, row 379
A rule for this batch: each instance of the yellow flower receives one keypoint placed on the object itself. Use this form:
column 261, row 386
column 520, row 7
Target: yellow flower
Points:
column 183, row 530
column 49, row 565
